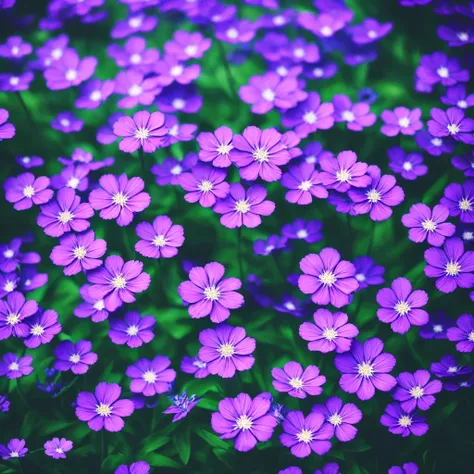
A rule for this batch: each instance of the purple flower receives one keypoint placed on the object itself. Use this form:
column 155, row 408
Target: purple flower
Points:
column 67, row 122
column 323, row 25
column 74, row 177
column 216, row 147
column 340, row 417
column 133, row 24
column 458, row 97
column 170, row 170
column 343, row 172
column 78, row 253
column 459, row 199
column 13, row 312
column 119, row 198
column 140, row 467
column 103, row 409
column 304, row 435
column 170, row 70
column 105, row 133
column 15, row 48
column 369, row 31
column 244, row 208
column 365, row 368
column 69, row 70
column 138, row 89
column 271, row 90
column 464, row 163
column 438, row 68
column 91, row 307
column 410, row 166
column 56, row 448
column 329, row 332
column 186, row 45
column 463, row 333
column 226, row 349
column 15, row 367
column 4, row 404
column 133, row 330
column 26, row 190
column 28, row 162
column 7, row 130
column 204, row 184
column 449, row 368
column 437, row 327
column 209, row 294
column 416, row 391
column 290, row 305
column 378, row 198
column 195, row 366
column 11, row 257
column 179, row 98
column 451, row 123
column 9, row 82
column 8, row 283
column 309, row 116
column 331, row 468
column 435, row 146
column 235, row 31
column 401, row 120
column 178, row 133
column 295, row 381
column 367, row 273
column 327, row 278
column 182, row 406
column 403, row 423
column 401, row 307
column 134, row 54
column 356, row 116
column 259, row 154
column 160, row 239
column 31, row 280
column 14, row 449
column 42, row 327
column 321, row 70
column 145, row 130
column 451, row 266
column 116, row 282
column 75, row 357
column 291, row 470
column 304, row 183
column 151, row 377
column 310, row 231
column 244, row 419
column 427, row 224
column 272, row 244
column 409, row 467
column 94, row 93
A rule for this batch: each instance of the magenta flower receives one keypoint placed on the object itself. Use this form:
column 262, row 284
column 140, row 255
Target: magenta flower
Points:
column 244, row 208
column 245, row 420
column 42, row 327
column 94, row 93
column 136, row 22
column 144, row 131
column 401, row 120
column 119, row 198
column 13, row 312
column 56, row 448
column 409, row 467
column 103, row 409
column 451, row 123
column 151, row 377
column 463, row 333
column 379, row 197
column 74, row 177
column 134, row 54
column 416, row 391
column 295, row 381
column 160, row 239
column 15, row 48
column 170, row 70
column 140, row 467
column 78, row 253
column 356, row 116
column 67, row 122
column 459, row 199
column 15, row 367
column 410, row 166
column 91, row 307
column 133, row 330
column 401, row 307
column 309, row 116
column 7, row 130
column 451, row 266
column 216, row 147
column 74, row 357
column 304, row 435
column 137, row 89
column 16, row 448
column 329, row 332
column 327, row 278
column 403, row 423
column 427, row 224
column 26, row 190
column 116, row 282
column 226, row 349
column 343, row 172
column 365, row 368
column 204, row 184
column 186, row 45
column 369, row 31
column 209, row 294
column 259, row 154
column 340, row 418
column 69, row 70
column 304, row 183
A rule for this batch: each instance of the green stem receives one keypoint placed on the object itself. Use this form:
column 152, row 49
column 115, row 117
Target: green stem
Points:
column 228, row 71
column 20, row 467
column 67, row 387
column 239, row 251
column 141, row 156
column 371, row 241
column 21, row 394
column 26, row 109
column 104, row 447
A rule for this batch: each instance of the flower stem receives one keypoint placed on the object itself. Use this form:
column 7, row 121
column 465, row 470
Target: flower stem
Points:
column 104, row 447
column 26, row 109
column 228, row 71
column 141, row 156
column 239, row 253
column 21, row 394
column 20, row 467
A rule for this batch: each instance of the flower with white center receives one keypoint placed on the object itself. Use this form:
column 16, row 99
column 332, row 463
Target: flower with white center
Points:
column 268, row 94
column 149, row 376
column 437, row 328
column 75, row 358
column 296, row 383
column 436, row 142
column 13, row 366
column 37, row 330
column 176, row 170
column 453, row 129
column 302, row 234
column 73, row 182
column 429, row 225
column 360, row 277
column 343, row 176
column 404, row 122
column 95, row 96
column 443, row 72
column 365, row 369
column 372, row 34
column 232, row 33
column 462, row 104
column 135, row 22
column 212, row 293
column 243, row 422
column 205, row 186
column 327, row 278
column 405, row 421
column 119, row 282
column 65, row 216
column 299, row 53
column 178, row 103
column 135, row 58
column 132, row 330
column 80, row 252
column 71, row 74
column 335, row 419
column 103, row 409
column 260, row 155
column 29, row 191
column 373, row 196
column 191, row 50
column 305, row 436
column 310, row 117
column 318, row 72
column 348, row 116
column 402, row 308
column 465, row 204
column 135, row 90
column 226, row 350
column 120, row 199
column 452, row 268
column 463, row 36
column 242, row 206
column 305, row 185
column 159, row 241
column 417, row 392
column 407, row 166
column 330, row 334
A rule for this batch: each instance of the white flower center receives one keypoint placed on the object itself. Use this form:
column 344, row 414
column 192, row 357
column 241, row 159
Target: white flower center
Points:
column 135, row 90
column 75, row 358
column 299, row 52
column 29, row 191
column 260, row 155
column 226, row 350
column 176, row 170
column 468, row 235
column 103, row 409
column 407, row 166
column 132, row 330
column 176, row 70
column 71, row 74
column 404, row 421
column 14, row 454
column 453, row 129
column 73, row 182
column 360, row 277
column 37, row 330
column 310, row 117
column 142, row 133
column 365, row 369
column 191, row 50
column 26, row 159
column 159, row 241
column 463, row 36
column 348, row 116
column 296, row 383
column 429, row 225
column 135, row 22
column 326, row 31
column 305, row 436
column 178, row 104
column 402, row 308
column 119, row 282
column 57, row 53
column 95, row 96
column 373, row 196
column 9, row 286
column 305, row 185
column 443, row 72
column 13, row 366
column 318, row 72
column 404, row 122
column 327, row 278
column 65, row 216
column 65, row 122
column 282, row 71
column 462, row 104
column 14, row 80
column 135, row 58
column 438, row 328
column 465, row 204
column 80, row 252
column 99, row 305
column 452, row 268
column 470, row 336
column 268, row 94
column 330, row 334
column 289, row 305
column 149, row 376
column 302, row 234
column 343, row 176
column 417, row 392
column 436, row 142
column 453, row 369
column 244, row 422
column 205, row 186
column 212, row 293
column 242, row 206
column 13, row 319
column 120, row 199
column 335, row 419
column 372, row 34
column 8, row 253
column 232, row 33
column 278, row 20
column 59, row 450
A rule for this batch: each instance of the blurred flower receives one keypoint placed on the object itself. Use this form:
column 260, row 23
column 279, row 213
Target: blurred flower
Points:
column 15, row 367
column 401, row 120
column 133, row 330
column 14, row 449
column 182, row 406
column 195, row 366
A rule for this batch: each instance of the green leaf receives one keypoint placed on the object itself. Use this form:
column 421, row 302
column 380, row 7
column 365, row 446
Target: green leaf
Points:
column 211, row 439
column 154, row 442
column 182, row 442
column 449, row 408
column 113, row 461
column 29, row 424
column 360, row 446
column 158, row 460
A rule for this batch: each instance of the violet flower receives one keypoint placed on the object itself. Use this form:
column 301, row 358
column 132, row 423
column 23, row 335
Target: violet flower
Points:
column 463, row 333
column 216, row 147
column 409, row 166
column 401, row 120
column 151, row 377
column 133, row 330
column 303, row 183
column 400, row 422
column 416, row 391
column 295, row 381
column 74, row 357
column 356, row 116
